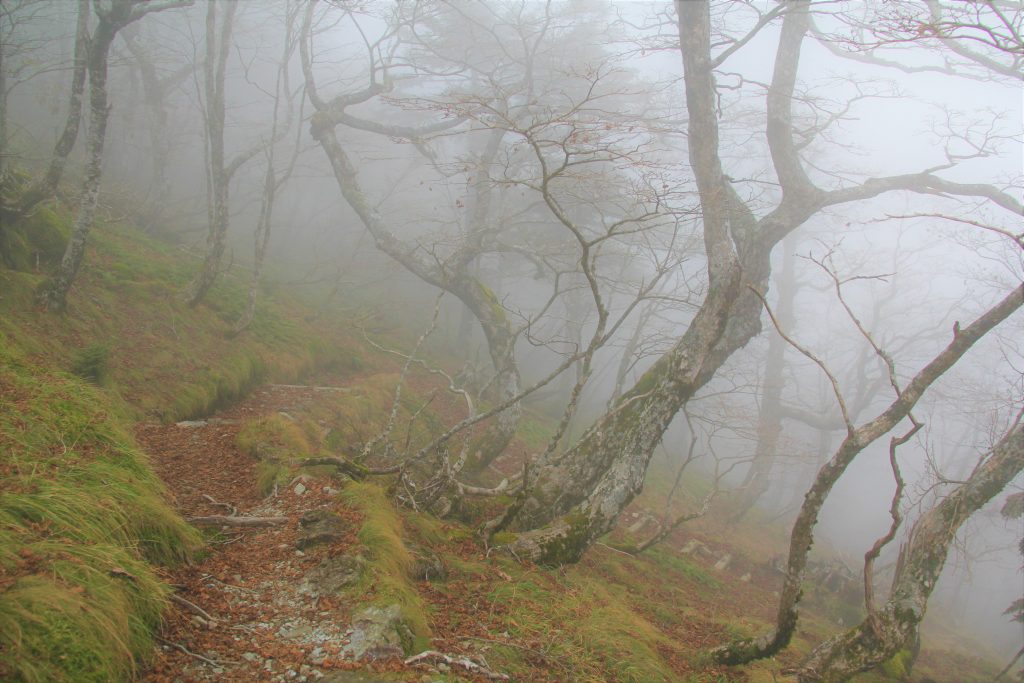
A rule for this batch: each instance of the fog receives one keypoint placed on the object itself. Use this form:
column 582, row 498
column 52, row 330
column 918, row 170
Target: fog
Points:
column 456, row 149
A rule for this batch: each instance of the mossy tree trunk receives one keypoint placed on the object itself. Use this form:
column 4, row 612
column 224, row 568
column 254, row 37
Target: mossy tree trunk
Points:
column 46, row 186
column 53, row 293
column 574, row 499
column 112, row 18
column 218, row 178
column 883, row 634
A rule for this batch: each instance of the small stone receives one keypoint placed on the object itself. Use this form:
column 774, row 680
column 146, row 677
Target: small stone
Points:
column 251, row 657
column 723, row 563
column 745, row 578
column 693, row 546
column 299, row 553
column 300, row 488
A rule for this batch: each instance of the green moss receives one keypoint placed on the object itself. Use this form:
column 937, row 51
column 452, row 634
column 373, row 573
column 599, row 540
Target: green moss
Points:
column 503, row 538
column 36, row 241
column 274, row 438
column 569, row 546
column 93, row 363
column 81, row 517
column 497, row 310
column 389, row 560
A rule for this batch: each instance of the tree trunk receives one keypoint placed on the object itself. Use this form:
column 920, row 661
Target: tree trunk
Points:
column 453, row 277
column 878, row 639
column 802, row 536
column 53, row 294
column 577, row 497
column 47, row 185
column 217, row 177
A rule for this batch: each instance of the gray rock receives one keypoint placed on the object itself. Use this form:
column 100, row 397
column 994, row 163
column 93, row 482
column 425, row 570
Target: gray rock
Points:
column 353, row 677
column 191, row 423
column 320, row 526
column 427, row 565
column 332, row 575
column 724, row 562
column 377, row 633
column 694, row 547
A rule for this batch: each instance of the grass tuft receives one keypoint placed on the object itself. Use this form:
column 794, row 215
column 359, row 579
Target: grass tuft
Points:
column 390, row 562
column 82, row 516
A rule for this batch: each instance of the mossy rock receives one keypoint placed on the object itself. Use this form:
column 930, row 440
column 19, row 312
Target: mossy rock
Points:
column 35, row 241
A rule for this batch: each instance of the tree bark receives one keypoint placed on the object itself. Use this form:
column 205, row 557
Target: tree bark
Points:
column 53, row 293
column 47, row 185
column 878, row 639
column 802, row 535
column 217, row 176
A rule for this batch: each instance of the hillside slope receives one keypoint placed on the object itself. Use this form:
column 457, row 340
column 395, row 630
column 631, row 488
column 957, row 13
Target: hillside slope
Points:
column 92, row 540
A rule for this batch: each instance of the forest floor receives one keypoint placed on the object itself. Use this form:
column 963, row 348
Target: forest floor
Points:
column 269, row 609
column 265, row 619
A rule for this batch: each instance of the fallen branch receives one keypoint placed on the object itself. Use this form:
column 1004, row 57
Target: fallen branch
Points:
column 192, row 607
column 182, row 648
column 354, row 470
column 221, row 520
column 464, row 662
column 232, row 510
column 308, row 386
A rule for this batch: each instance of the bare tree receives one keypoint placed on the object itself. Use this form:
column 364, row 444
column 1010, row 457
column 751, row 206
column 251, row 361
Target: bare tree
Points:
column 578, row 500
column 111, row 18
column 273, row 181
column 889, row 629
column 47, row 185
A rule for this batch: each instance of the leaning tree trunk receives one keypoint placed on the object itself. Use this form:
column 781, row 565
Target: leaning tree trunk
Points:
column 47, row 185
column 454, row 278
column 802, row 535
column 883, row 634
column 53, row 294
column 576, row 497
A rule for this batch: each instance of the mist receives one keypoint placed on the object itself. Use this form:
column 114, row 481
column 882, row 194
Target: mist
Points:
column 534, row 168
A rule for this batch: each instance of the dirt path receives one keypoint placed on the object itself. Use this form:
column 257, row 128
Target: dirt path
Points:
column 267, row 625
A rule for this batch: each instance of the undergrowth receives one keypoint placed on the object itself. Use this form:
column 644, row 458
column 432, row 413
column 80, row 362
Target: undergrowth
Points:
column 82, row 519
